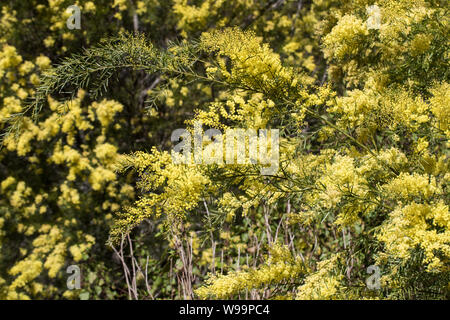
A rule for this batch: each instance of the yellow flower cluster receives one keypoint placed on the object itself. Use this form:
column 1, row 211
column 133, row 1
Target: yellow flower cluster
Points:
column 375, row 110
column 169, row 189
column 346, row 37
column 49, row 247
column 363, row 148
column 280, row 266
column 419, row 225
column 439, row 106
column 191, row 14
column 253, row 111
column 324, row 283
column 67, row 138
column 408, row 186
column 254, row 64
column 77, row 251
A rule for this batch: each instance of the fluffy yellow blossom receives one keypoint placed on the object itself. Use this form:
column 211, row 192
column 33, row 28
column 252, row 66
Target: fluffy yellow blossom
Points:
column 346, row 37
column 324, row 284
column 280, row 266
column 408, row 186
column 89, row 6
column 7, row 182
column 439, row 106
column 416, row 225
column 106, row 110
column 420, row 44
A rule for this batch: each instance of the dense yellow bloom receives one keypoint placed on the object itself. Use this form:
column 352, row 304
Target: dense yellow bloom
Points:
column 254, row 64
column 77, row 251
column 417, row 225
column 192, row 14
column 388, row 110
column 346, row 37
column 280, row 266
column 324, row 283
column 407, row 186
column 183, row 187
column 439, row 106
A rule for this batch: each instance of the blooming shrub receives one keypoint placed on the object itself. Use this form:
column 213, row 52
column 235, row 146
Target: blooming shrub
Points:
column 87, row 176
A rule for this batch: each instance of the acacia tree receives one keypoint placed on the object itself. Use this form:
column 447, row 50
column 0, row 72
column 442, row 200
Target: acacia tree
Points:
column 363, row 177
